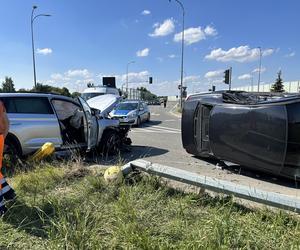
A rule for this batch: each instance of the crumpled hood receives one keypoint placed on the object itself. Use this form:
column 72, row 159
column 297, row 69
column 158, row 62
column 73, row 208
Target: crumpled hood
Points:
column 105, row 103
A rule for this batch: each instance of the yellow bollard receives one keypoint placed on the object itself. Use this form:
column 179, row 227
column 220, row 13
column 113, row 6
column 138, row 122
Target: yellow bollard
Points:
column 46, row 150
column 113, row 175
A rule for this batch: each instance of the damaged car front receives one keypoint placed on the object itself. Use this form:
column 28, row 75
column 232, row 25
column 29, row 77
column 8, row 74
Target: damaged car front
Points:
column 113, row 135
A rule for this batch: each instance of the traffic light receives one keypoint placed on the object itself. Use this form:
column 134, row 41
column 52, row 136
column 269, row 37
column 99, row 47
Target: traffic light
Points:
column 150, row 80
column 227, row 76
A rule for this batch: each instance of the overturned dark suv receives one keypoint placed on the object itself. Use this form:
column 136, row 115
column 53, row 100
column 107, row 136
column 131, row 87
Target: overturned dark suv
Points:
column 255, row 130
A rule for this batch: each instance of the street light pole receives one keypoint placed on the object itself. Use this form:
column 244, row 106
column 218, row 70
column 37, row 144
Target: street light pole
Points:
column 182, row 50
column 127, row 75
column 259, row 69
column 32, row 40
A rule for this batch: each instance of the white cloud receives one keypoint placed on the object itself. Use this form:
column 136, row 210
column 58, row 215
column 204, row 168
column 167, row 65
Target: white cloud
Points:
column 210, row 31
column 191, row 79
column 292, row 54
column 146, row 12
column 194, row 35
column 239, row 54
column 244, row 77
column 163, row 29
column 143, row 52
column 214, row 74
column 262, row 70
column 268, row 52
column 45, row 51
column 172, row 56
column 78, row 73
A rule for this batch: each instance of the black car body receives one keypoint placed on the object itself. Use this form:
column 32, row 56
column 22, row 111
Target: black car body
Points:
column 255, row 130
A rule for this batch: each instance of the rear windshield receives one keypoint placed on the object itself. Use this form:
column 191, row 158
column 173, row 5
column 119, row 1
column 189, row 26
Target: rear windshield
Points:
column 127, row 106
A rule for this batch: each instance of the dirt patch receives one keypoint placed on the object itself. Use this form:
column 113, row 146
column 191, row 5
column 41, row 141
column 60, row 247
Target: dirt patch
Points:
column 76, row 173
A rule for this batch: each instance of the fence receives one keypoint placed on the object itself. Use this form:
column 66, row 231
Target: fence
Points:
column 290, row 87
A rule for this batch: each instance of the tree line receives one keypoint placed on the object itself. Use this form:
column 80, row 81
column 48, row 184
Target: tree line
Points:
column 9, row 87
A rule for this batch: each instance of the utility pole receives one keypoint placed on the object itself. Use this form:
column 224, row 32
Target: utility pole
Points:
column 182, row 51
column 32, row 40
column 259, row 69
column 127, row 76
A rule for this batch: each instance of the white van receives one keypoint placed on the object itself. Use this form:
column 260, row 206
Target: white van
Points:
column 99, row 90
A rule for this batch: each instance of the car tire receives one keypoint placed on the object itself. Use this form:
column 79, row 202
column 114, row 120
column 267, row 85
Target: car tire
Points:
column 110, row 143
column 11, row 155
column 138, row 122
column 148, row 118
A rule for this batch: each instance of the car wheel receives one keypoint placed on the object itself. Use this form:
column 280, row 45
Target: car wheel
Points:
column 110, row 143
column 11, row 156
column 138, row 122
column 148, row 118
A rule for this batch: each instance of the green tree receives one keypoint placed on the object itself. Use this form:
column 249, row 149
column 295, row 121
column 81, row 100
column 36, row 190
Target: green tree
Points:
column 75, row 94
column 8, row 85
column 146, row 94
column 278, row 85
column 44, row 88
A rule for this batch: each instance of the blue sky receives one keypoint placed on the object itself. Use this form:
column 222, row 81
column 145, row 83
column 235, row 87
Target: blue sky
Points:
column 85, row 40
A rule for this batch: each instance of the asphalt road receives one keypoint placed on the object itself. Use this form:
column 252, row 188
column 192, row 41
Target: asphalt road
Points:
column 159, row 141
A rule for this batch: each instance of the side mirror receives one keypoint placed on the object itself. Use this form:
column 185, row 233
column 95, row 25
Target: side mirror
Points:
column 95, row 112
column 141, row 109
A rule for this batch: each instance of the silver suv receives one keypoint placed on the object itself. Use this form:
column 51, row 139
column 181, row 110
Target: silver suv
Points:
column 39, row 118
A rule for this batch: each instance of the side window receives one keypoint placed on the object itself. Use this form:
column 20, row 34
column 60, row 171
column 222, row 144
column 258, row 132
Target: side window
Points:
column 27, row 105
column 9, row 105
column 65, row 109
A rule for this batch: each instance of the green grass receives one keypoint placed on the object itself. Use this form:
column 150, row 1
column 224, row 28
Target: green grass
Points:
column 65, row 208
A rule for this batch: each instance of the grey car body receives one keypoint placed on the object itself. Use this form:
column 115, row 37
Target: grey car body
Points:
column 34, row 120
column 131, row 112
column 255, row 130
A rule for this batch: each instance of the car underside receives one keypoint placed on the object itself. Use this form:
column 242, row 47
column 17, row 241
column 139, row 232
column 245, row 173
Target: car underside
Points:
column 255, row 130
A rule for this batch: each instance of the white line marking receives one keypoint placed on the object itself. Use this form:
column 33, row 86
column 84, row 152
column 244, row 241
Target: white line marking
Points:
column 154, row 130
column 175, row 129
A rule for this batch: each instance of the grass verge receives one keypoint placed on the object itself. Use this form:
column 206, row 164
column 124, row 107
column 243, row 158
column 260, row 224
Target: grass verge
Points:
column 67, row 208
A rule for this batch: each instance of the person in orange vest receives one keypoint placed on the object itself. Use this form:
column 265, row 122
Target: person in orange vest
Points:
column 6, row 192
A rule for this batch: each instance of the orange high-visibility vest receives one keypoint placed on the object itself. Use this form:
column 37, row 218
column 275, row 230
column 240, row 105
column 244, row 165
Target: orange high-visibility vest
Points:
column 1, row 155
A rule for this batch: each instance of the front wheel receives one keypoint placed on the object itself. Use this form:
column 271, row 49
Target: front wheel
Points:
column 110, row 143
column 148, row 118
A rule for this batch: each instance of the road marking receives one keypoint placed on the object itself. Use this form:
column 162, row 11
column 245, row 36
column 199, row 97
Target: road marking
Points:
column 156, row 129
column 154, row 114
column 175, row 129
column 169, row 120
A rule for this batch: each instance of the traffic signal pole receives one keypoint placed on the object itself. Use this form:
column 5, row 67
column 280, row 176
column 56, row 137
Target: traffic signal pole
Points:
column 230, row 74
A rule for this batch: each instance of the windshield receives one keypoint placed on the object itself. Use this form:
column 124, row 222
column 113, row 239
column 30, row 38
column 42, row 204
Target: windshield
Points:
column 87, row 96
column 127, row 106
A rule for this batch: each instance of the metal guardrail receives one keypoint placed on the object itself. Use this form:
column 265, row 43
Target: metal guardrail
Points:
column 281, row 201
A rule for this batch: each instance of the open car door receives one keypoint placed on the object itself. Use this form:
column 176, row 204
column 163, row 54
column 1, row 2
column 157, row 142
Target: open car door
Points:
column 90, row 125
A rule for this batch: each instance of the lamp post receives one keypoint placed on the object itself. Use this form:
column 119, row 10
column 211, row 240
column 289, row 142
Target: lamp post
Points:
column 127, row 75
column 32, row 40
column 259, row 69
column 182, row 49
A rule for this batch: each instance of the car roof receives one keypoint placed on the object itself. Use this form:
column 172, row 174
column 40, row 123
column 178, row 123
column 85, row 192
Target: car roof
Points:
column 33, row 94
